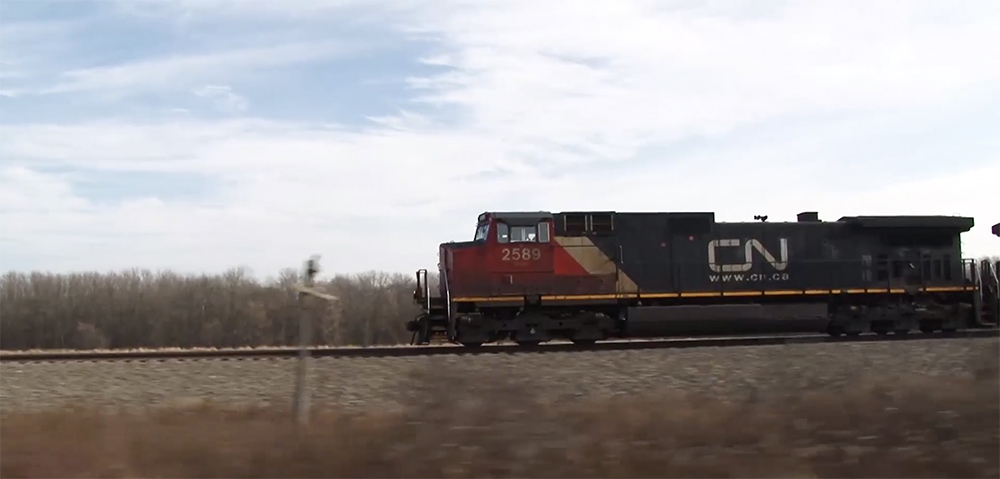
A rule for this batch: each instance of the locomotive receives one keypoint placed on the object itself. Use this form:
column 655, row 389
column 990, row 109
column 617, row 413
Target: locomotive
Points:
column 588, row 276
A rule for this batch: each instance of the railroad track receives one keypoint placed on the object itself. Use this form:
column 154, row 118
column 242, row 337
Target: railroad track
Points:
column 437, row 350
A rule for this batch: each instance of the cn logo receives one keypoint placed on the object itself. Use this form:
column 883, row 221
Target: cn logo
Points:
column 748, row 248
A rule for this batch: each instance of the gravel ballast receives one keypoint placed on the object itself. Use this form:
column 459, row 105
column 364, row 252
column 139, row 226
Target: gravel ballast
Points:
column 730, row 373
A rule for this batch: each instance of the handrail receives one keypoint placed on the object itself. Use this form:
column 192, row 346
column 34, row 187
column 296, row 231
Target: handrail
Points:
column 447, row 294
column 995, row 273
column 685, row 274
column 425, row 290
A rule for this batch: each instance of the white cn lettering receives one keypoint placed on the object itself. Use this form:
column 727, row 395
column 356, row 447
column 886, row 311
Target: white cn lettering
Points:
column 748, row 248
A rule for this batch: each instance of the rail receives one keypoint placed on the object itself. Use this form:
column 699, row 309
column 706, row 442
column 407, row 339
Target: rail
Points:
column 413, row 351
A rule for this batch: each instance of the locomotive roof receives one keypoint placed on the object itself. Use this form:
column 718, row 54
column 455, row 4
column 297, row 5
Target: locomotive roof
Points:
column 996, row 229
column 960, row 223
column 521, row 215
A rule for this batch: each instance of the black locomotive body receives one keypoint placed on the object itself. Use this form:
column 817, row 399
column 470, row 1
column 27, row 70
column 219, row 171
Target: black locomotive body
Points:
column 588, row 276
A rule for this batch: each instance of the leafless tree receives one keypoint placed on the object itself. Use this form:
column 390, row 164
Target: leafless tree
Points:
column 145, row 309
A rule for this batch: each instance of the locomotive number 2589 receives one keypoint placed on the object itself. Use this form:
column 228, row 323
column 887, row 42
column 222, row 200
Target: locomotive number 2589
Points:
column 521, row 254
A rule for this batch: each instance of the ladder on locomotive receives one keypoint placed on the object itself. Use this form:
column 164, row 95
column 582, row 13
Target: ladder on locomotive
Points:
column 432, row 322
column 988, row 283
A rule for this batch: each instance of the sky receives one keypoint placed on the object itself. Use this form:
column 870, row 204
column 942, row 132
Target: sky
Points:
column 202, row 135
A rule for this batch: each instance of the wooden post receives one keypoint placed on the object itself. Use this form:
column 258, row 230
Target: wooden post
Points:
column 301, row 404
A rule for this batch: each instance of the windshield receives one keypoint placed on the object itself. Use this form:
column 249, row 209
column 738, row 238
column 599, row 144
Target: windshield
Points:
column 481, row 232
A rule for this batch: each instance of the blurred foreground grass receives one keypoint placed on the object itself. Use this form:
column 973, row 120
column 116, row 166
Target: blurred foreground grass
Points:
column 887, row 426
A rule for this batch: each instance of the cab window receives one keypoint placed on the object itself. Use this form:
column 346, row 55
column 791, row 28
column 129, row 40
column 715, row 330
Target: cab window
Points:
column 482, row 231
column 543, row 232
column 523, row 234
column 503, row 233
column 515, row 234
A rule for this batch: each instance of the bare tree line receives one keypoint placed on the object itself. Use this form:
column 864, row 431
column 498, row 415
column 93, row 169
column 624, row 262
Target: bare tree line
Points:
column 143, row 309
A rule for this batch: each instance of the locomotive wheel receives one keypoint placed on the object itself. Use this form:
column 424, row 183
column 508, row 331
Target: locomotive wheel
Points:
column 529, row 343
column 880, row 329
column 928, row 327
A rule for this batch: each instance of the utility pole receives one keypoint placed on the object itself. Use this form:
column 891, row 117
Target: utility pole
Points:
column 301, row 404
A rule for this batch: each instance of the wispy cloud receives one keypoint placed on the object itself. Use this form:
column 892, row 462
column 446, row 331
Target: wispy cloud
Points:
column 181, row 70
column 521, row 69
column 24, row 47
column 223, row 97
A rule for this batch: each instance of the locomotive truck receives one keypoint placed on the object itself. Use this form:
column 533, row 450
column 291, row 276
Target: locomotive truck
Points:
column 587, row 276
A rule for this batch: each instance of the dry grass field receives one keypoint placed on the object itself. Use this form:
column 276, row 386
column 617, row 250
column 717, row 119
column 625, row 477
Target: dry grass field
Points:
column 911, row 429
column 915, row 409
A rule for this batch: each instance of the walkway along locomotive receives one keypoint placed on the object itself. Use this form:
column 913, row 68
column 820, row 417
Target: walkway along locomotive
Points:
column 588, row 276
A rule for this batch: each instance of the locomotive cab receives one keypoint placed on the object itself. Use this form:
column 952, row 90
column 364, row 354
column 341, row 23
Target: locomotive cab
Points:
column 511, row 253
